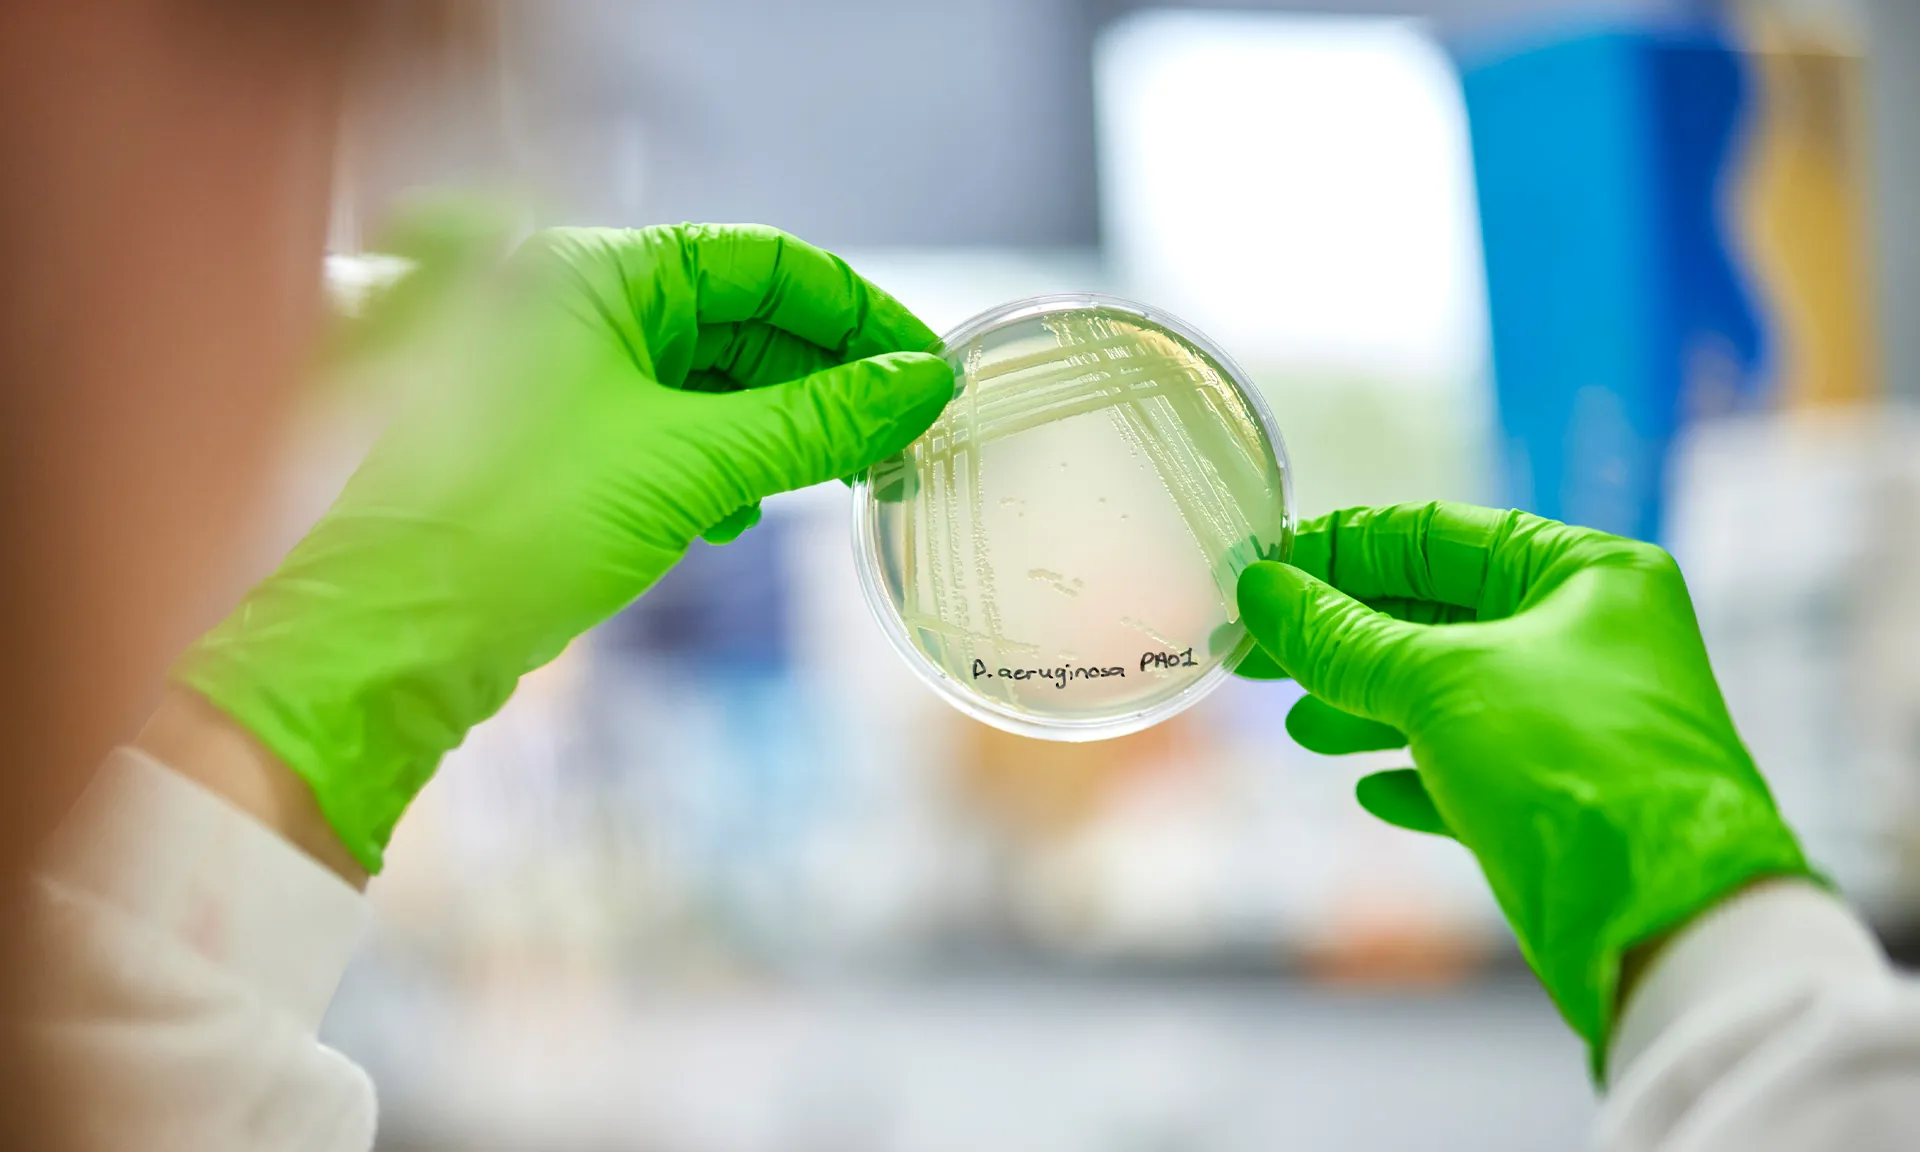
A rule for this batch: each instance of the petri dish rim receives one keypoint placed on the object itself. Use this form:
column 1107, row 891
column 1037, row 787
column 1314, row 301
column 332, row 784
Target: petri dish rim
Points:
column 869, row 565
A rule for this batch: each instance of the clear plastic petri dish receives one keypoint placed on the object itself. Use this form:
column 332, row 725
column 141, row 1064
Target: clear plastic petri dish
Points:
column 1057, row 555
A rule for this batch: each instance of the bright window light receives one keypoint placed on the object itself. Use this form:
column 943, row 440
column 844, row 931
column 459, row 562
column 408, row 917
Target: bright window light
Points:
column 1300, row 187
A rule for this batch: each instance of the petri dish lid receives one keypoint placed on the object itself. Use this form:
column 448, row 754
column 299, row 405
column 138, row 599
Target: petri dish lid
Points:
column 1057, row 555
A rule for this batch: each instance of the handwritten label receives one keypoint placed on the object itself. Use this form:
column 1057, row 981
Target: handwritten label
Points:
column 1166, row 660
column 1058, row 676
column 1065, row 674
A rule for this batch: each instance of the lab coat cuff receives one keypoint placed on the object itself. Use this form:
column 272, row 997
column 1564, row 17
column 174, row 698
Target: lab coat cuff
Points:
column 1775, row 937
column 182, row 860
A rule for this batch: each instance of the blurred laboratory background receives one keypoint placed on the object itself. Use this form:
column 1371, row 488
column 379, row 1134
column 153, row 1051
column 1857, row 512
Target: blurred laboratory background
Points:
column 728, row 878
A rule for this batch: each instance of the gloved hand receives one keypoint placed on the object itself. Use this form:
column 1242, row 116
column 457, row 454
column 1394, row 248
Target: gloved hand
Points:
column 615, row 395
column 1564, row 724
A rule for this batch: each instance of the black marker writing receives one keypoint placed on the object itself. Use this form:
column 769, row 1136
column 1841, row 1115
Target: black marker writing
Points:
column 1166, row 660
column 1059, row 677
column 1065, row 674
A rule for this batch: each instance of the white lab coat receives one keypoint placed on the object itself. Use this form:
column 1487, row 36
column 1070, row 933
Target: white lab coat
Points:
column 193, row 953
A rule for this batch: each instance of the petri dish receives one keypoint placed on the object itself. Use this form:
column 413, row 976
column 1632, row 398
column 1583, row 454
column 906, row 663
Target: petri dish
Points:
column 1057, row 555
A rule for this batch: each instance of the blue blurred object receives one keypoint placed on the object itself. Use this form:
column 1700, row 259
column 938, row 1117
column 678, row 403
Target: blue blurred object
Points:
column 722, row 608
column 1617, row 311
column 714, row 756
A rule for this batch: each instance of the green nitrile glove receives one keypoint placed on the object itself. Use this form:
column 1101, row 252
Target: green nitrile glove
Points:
column 615, row 395
column 1565, row 726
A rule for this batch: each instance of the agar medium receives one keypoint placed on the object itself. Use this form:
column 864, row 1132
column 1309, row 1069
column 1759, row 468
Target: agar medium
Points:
column 1057, row 555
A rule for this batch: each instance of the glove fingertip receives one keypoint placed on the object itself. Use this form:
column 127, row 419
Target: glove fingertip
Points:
column 1262, row 590
column 920, row 388
column 1299, row 723
column 924, row 374
column 890, row 320
column 1399, row 798
column 734, row 525
column 1319, row 727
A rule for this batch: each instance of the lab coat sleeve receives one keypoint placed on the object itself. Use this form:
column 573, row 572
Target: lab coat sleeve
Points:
column 1773, row 1022
column 188, row 955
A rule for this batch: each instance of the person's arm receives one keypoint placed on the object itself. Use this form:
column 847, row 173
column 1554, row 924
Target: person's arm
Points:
column 1770, row 1022
column 202, row 744
column 577, row 421
column 580, row 420
column 188, row 952
column 1552, row 689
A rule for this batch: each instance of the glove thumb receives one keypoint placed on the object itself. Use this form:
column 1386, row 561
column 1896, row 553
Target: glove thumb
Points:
column 1337, row 648
column 840, row 420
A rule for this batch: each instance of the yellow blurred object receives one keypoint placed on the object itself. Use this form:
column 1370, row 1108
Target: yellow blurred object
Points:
column 1802, row 214
column 1042, row 788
